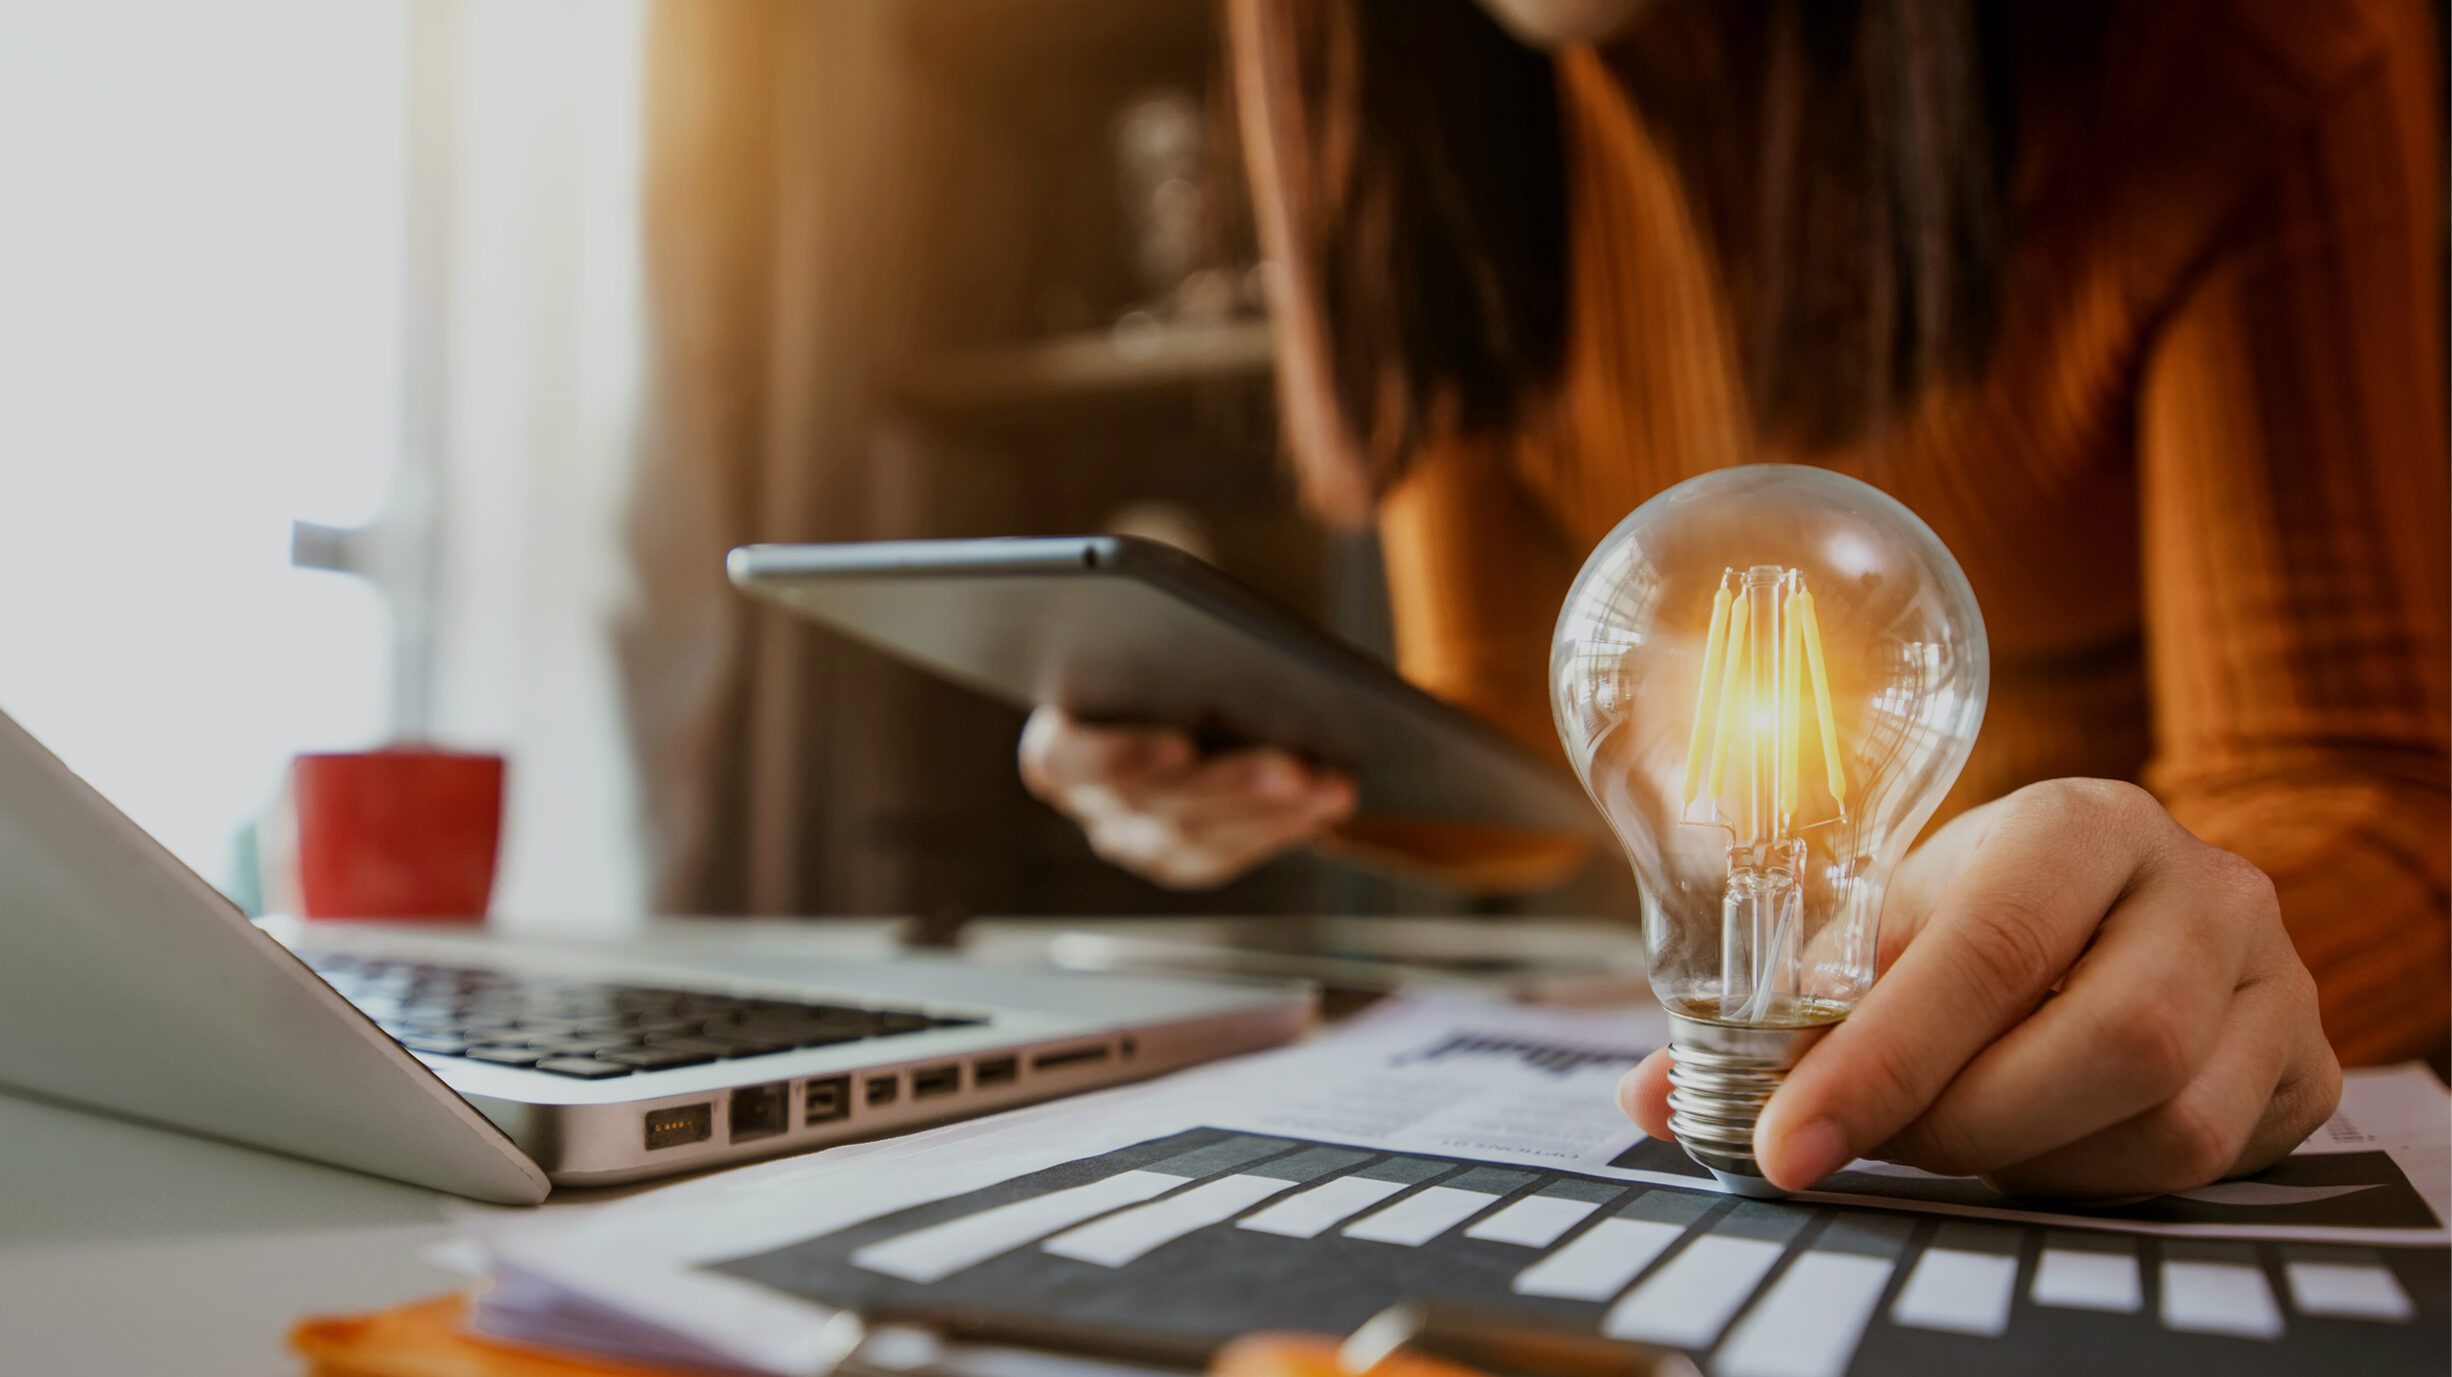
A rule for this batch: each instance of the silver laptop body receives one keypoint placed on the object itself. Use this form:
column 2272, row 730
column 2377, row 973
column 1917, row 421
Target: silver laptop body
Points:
column 129, row 984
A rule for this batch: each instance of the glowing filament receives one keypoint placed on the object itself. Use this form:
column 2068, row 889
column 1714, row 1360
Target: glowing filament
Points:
column 1735, row 674
column 1763, row 701
column 1706, row 702
column 1821, row 696
column 1791, row 653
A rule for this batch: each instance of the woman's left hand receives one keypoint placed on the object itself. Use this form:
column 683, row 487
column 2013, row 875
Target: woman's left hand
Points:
column 2079, row 998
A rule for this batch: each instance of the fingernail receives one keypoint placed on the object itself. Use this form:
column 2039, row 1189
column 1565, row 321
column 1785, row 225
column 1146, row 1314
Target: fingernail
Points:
column 1627, row 1087
column 1813, row 1152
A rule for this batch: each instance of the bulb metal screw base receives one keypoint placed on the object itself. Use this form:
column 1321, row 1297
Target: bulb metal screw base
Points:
column 1724, row 1074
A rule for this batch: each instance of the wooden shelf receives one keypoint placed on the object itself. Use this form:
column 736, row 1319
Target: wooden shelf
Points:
column 1086, row 366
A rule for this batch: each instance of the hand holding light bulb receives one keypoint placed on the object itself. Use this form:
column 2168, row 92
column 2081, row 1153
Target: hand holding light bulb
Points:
column 1769, row 676
column 2078, row 998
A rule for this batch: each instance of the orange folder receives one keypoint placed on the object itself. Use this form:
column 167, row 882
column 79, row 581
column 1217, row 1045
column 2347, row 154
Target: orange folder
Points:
column 425, row 1340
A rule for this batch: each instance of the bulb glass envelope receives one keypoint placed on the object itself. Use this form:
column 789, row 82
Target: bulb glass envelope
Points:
column 1768, row 676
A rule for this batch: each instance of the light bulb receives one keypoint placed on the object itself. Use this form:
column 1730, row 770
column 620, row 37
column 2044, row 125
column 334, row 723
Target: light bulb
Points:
column 1767, row 676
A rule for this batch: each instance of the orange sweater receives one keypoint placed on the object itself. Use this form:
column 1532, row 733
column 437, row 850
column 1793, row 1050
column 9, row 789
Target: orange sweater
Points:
column 2201, row 494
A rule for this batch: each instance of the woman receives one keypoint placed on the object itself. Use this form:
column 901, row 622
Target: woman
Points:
column 2138, row 308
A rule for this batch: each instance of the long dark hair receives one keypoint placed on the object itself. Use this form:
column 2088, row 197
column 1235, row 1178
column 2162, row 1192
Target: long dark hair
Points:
column 1847, row 159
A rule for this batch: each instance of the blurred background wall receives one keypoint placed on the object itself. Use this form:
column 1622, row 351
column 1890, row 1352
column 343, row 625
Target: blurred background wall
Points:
column 288, row 283
column 944, row 268
column 414, row 392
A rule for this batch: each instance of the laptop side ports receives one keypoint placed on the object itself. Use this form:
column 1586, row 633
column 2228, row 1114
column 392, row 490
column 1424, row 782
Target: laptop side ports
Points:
column 760, row 1111
column 681, row 1124
column 1069, row 1056
column 826, row 1101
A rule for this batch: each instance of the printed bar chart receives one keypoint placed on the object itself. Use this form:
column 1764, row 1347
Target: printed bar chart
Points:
column 2346, row 1283
column 937, row 1252
column 1808, row 1322
column 1697, row 1291
column 1963, row 1283
column 2089, row 1272
column 1598, row 1264
column 1428, row 1213
column 1536, row 1221
column 1207, row 1234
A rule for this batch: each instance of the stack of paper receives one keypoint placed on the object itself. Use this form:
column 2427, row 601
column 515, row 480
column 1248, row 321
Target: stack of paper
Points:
column 1474, row 1152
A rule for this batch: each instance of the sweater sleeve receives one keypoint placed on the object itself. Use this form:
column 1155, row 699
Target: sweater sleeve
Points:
column 1476, row 574
column 2293, row 480
column 1475, row 577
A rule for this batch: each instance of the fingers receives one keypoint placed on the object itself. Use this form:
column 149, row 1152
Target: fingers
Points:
column 2134, row 1022
column 2004, row 929
column 1238, row 786
column 1203, row 826
column 1149, row 802
column 2258, row 1096
column 1643, row 1094
column 1060, row 755
column 1917, row 885
column 1191, row 849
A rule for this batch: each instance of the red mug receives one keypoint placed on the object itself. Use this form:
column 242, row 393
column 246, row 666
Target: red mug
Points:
column 405, row 832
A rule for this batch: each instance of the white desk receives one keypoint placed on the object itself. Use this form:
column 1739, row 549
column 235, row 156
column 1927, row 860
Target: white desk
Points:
column 130, row 1251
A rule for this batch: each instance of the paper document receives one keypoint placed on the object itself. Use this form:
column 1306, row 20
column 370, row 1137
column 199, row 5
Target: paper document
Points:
column 1475, row 1152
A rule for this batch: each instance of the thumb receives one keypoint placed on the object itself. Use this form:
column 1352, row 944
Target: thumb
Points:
column 1643, row 1094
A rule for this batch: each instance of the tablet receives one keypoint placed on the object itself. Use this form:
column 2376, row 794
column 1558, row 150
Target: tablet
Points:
column 1116, row 629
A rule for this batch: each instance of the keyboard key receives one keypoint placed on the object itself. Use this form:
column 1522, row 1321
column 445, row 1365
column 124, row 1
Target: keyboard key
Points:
column 657, row 1058
column 574, row 1047
column 785, row 1034
column 505, row 1018
column 502, row 1055
column 747, row 1047
column 584, row 1068
column 702, row 1046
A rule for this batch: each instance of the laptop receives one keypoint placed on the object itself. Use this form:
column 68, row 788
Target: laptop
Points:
column 496, row 1071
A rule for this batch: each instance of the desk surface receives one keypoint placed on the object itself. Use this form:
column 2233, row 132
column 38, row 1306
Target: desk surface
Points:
column 126, row 1249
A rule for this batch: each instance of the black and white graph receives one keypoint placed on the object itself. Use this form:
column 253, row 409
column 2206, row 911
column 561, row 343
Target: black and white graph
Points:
column 1211, row 1232
column 1457, row 1150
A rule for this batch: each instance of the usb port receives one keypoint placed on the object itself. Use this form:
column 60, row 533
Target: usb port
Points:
column 1069, row 1056
column 995, row 1071
column 689, row 1123
column 931, row 1081
column 827, row 1100
column 884, row 1089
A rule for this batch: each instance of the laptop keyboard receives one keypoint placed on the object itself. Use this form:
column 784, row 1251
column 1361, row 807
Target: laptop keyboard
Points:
column 590, row 1031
